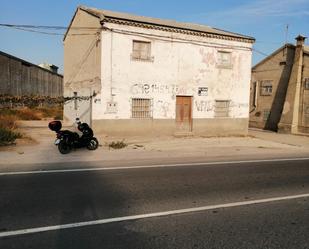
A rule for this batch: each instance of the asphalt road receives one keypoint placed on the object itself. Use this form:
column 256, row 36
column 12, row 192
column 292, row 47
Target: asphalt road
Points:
column 30, row 201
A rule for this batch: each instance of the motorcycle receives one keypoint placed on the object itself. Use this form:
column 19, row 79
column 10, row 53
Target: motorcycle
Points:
column 67, row 140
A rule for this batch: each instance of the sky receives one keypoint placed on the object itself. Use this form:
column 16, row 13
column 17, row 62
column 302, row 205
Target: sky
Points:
column 265, row 20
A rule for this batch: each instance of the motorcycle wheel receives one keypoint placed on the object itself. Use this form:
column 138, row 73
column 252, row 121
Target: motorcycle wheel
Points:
column 64, row 148
column 93, row 144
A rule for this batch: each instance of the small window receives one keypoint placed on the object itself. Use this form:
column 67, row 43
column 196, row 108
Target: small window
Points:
column 141, row 108
column 306, row 83
column 266, row 114
column 266, row 88
column 141, row 51
column 222, row 108
column 224, row 59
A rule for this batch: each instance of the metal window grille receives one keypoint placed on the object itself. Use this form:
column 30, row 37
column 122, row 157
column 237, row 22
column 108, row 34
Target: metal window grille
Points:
column 141, row 108
column 141, row 50
column 222, row 108
column 266, row 87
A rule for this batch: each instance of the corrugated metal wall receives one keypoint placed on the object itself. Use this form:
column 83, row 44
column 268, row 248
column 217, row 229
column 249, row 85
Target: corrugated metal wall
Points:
column 18, row 78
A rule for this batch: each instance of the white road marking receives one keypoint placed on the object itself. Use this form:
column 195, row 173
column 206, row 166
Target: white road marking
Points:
column 143, row 216
column 150, row 166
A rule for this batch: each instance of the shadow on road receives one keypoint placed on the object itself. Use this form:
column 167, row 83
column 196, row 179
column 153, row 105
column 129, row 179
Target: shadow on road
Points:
column 38, row 200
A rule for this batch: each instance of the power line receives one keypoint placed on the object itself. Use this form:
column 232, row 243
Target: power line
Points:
column 177, row 39
column 274, row 61
column 39, row 32
column 268, row 42
column 77, row 68
column 32, row 28
column 45, row 27
column 40, row 29
column 36, row 28
column 51, row 33
column 259, row 52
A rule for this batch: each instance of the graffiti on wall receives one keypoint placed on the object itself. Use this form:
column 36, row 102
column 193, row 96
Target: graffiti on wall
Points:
column 208, row 58
column 157, row 88
column 209, row 105
column 163, row 107
column 204, row 105
column 238, row 105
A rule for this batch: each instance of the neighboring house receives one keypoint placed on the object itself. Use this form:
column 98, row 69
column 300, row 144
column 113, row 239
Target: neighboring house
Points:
column 280, row 90
column 155, row 76
column 19, row 77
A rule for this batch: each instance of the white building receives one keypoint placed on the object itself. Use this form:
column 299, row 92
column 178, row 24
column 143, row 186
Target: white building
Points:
column 156, row 76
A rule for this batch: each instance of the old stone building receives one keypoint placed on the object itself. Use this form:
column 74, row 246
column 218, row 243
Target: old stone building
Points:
column 19, row 77
column 148, row 75
column 279, row 98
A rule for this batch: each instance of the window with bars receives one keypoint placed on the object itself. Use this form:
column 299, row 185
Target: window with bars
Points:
column 224, row 59
column 222, row 108
column 266, row 87
column 141, row 51
column 141, row 108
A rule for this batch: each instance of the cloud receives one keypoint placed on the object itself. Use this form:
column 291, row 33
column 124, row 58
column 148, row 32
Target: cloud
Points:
column 259, row 9
column 274, row 8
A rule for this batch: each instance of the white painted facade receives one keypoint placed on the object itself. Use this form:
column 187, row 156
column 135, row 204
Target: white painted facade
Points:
column 179, row 67
column 181, row 64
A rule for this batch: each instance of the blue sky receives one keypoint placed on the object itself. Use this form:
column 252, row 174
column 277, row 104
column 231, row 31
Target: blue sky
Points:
column 265, row 20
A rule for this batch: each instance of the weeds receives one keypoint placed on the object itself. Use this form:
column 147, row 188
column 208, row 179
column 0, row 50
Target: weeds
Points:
column 8, row 121
column 20, row 114
column 55, row 112
column 117, row 145
column 36, row 113
column 8, row 136
column 27, row 114
column 8, row 118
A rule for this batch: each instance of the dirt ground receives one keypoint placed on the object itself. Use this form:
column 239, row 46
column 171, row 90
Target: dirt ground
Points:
column 39, row 148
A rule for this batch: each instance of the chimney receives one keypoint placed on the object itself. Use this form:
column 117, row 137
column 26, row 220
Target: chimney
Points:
column 300, row 40
column 290, row 119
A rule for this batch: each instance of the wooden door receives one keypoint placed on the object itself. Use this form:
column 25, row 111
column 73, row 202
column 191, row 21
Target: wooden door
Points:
column 184, row 113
